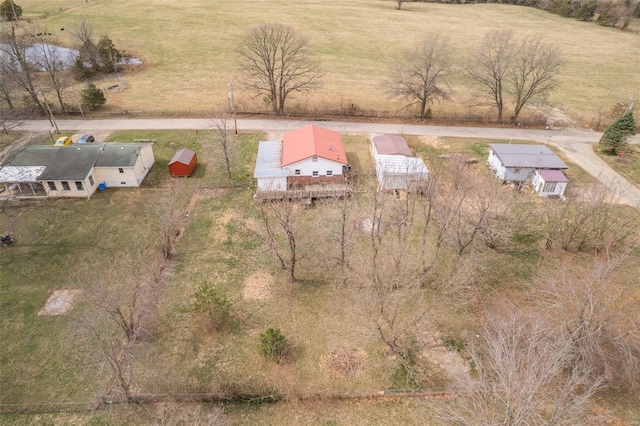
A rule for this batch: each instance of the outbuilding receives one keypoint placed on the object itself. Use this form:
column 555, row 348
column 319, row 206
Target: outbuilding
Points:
column 549, row 183
column 183, row 163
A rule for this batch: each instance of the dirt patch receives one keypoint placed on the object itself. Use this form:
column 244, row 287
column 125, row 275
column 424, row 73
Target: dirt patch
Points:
column 433, row 141
column 257, row 286
column 60, row 302
column 344, row 362
column 446, row 359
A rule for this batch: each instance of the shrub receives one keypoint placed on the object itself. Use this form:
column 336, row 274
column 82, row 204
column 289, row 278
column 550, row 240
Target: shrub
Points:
column 273, row 344
column 210, row 300
column 92, row 97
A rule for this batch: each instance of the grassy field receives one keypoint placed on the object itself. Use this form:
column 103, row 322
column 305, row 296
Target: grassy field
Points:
column 47, row 359
column 189, row 50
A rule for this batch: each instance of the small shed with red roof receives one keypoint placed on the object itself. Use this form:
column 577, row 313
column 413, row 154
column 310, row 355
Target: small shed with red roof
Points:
column 183, row 163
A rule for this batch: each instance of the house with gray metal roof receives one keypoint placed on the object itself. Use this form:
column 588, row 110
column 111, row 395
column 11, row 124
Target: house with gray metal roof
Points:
column 518, row 162
column 75, row 170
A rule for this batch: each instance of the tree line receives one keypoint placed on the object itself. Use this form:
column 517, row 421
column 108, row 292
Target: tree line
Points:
column 605, row 12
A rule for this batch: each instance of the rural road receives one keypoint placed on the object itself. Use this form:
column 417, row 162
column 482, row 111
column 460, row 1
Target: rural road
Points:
column 576, row 144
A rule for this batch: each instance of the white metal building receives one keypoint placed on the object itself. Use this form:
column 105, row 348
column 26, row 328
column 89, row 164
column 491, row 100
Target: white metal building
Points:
column 269, row 172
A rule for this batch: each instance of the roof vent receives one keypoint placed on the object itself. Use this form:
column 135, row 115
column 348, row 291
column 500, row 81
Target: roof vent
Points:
column 330, row 146
column 78, row 148
column 122, row 147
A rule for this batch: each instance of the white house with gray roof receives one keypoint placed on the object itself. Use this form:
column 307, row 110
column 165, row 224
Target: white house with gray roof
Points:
column 518, row 162
column 75, row 170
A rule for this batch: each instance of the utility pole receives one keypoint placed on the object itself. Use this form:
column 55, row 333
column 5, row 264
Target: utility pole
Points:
column 51, row 119
column 233, row 106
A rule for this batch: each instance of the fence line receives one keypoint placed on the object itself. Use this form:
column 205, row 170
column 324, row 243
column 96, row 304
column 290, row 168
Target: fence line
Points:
column 205, row 397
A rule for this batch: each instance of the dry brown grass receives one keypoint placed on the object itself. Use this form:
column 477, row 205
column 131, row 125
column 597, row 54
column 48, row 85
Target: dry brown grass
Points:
column 189, row 50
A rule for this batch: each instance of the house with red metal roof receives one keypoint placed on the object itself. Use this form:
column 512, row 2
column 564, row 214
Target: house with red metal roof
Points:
column 313, row 153
column 311, row 159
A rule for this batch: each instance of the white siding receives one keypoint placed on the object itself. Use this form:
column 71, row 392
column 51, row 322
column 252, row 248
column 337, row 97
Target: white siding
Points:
column 496, row 165
column 550, row 190
column 87, row 188
column 111, row 176
column 308, row 166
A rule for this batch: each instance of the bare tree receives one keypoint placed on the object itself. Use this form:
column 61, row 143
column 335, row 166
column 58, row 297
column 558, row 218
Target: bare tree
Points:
column 467, row 208
column 276, row 63
column 387, row 276
column 419, row 77
column 399, row 3
column 15, row 63
column 51, row 61
column 225, row 141
column 523, row 375
column 123, row 298
column 489, row 66
column 533, row 72
column 591, row 306
column 83, row 33
column 279, row 219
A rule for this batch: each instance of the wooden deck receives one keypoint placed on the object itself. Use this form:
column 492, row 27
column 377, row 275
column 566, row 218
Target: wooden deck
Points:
column 303, row 196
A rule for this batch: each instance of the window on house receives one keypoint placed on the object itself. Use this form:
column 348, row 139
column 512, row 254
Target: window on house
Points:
column 315, row 174
column 79, row 186
column 297, row 172
column 314, row 159
column 65, row 186
column 123, row 183
column 121, row 170
column 91, row 180
column 52, row 186
column 329, row 172
column 549, row 186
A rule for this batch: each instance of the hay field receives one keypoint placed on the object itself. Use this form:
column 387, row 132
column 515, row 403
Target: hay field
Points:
column 189, row 49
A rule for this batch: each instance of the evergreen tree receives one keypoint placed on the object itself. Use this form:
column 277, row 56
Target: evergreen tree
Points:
column 9, row 11
column 108, row 54
column 92, row 97
column 616, row 135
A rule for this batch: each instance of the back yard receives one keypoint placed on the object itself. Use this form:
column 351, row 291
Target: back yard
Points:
column 420, row 277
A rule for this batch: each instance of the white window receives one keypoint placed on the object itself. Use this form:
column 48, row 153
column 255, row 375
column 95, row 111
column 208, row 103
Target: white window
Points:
column 315, row 173
column 549, row 187
column 52, row 186
column 65, row 186
column 329, row 172
column 297, row 172
column 91, row 180
column 79, row 186
column 314, row 159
